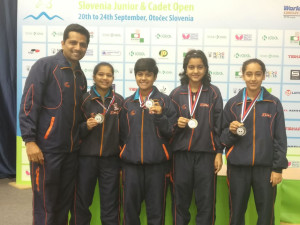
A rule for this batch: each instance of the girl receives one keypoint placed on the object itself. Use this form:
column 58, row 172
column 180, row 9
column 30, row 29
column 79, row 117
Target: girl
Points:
column 255, row 138
column 99, row 151
column 147, row 123
column 197, row 151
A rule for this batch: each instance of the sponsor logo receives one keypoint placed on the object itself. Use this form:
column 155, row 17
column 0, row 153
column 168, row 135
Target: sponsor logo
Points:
column 163, row 89
column 133, row 89
column 216, row 55
column 238, row 74
column 270, row 56
column 163, row 53
column 33, row 51
column 295, row 75
column 291, row 11
column 266, row 115
column 294, row 56
column 218, row 37
column 243, row 37
column 294, row 164
column 88, row 70
column 110, row 53
column 295, row 39
column 190, row 36
column 236, row 90
column 137, row 37
column 165, row 72
column 54, row 50
column 163, row 36
column 112, row 35
column 89, row 52
column 238, row 55
column 216, row 73
column 290, row 92
column 141, row 54
column 292, row 128
column 54, row 34
column 269, row 90
column 91, row 35
column 271, row 74
column 269, row 38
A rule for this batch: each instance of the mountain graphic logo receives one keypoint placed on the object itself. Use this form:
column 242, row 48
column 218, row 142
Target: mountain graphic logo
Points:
column 41, row 15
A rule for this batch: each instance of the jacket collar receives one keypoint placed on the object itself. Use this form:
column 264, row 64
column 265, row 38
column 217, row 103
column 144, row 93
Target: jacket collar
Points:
column 63, row 62
column 95, row 95
column 184, row 88
column 136, row 95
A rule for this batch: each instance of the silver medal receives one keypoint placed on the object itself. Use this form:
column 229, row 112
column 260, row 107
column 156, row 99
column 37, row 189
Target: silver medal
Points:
column 241, row 131
column 193, row 123
column 149, row 103
column 99, row 118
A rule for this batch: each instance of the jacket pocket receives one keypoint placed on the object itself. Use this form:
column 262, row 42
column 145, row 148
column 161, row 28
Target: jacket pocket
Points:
column 49, row 128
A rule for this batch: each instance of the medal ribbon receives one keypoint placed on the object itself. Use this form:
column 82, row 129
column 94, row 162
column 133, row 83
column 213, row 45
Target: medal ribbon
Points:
column 193, row 106
column 245, row 111
column 110, row 104
column 142, row 103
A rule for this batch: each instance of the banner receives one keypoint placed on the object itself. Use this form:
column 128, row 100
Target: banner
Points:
column 229, row 32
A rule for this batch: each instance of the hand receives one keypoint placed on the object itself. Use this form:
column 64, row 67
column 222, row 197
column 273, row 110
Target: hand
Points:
column 182, row 122
column 234, row 125
column 156, row 109
column 34, row 153
column 218, row 162
column 91, row 123
column 275, row 178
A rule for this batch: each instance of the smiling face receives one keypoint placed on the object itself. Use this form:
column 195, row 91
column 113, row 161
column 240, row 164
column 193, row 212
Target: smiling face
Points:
column 253, row 77
column 145, row 80
column 103, row 78
column 74, row 47
column 195, row 70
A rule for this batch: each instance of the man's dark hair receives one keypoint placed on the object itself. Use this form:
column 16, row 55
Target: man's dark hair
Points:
column 146, row 64
column 76, row 28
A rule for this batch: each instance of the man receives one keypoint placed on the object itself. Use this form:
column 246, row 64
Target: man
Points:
column 256, row 144
column 49, row 117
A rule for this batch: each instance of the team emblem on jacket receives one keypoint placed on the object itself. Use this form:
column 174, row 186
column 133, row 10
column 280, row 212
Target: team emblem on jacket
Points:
column 116, row 107
column 132, row 113
column 183, row 107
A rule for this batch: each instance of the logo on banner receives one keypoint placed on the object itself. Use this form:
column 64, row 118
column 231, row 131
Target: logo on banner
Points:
column 238, row 74
column 190, row 36
column 34, row 51
column 271, row 74
column 294, row 56
column 54, row 50
column 269, row 38
column 295, row 39
column 216, row 73
column 238, row 55
column 163, row 53
column 163, row 36
column 218, row 37
column 54, row 34
column 137, row 37
column 89, row 52
column 110, row 53
column 141, row 54
column 43, row 14
column 291, row 11
column 216, row 55
column 295, row 75
column 243, row 37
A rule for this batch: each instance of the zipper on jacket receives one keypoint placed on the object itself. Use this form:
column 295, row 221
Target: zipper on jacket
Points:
column 142, row 139
column 102, row 135
column 190, row 143
column 74, row 110
column 253, row 136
